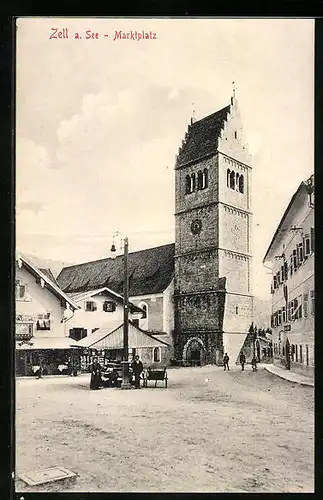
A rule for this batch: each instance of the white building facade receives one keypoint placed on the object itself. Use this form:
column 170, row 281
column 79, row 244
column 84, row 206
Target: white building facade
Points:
column 43, row 312
column 98, row 308
column 291, row 256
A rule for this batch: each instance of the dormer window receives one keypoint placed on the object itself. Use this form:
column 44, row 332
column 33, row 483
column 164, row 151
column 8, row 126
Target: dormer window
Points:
column 109, row 306
column 90, row 306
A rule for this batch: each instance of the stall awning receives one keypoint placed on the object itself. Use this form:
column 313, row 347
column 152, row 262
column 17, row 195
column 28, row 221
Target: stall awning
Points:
column 106, row 338
column 36, row 343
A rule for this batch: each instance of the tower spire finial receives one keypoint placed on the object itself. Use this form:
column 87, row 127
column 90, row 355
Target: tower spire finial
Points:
column 233, row 89
column 193, row 118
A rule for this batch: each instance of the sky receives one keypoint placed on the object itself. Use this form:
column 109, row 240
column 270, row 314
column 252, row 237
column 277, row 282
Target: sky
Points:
column 99, row 122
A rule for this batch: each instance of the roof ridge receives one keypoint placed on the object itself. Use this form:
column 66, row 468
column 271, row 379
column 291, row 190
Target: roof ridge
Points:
column 118, row 256
column 211, row 114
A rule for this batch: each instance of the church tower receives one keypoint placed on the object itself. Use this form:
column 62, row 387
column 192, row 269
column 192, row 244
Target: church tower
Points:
column 212, row 290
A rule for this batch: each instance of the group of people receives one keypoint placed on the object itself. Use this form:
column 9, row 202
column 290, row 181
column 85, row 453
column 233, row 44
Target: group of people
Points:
column 96, row 373
column 242, row 360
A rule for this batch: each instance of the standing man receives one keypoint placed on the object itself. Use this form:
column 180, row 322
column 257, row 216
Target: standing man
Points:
column 254, row 363
column 242, row 361
column 137, row 367
column 226, row 360
column 95, row 370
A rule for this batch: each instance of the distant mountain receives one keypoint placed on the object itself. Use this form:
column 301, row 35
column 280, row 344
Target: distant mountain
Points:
column 261, row 312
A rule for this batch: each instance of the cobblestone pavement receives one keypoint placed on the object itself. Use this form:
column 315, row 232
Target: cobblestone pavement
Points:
column 210, row 431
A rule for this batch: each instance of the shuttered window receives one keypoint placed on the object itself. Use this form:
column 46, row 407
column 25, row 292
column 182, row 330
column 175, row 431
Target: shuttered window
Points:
column 109, row 306
column 312, row 239
column 90, row 306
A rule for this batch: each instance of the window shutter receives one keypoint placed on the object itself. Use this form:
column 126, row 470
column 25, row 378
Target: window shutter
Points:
column 282, row 273
column 286, row 270
column 295, row 263
column 295, row 309
column 300, row 306
column 307, row 246
column 312, row 302
column 299, row 253
column 305, row 304
column 284, row 314
column 312, row 239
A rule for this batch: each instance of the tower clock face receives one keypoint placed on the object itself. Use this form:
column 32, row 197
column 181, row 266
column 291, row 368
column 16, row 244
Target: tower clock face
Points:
column 196, row 226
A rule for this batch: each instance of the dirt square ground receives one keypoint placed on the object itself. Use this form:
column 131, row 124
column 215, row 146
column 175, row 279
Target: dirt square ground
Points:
column 209, row 431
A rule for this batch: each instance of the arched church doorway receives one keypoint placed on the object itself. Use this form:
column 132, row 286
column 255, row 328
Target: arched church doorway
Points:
column 194, row 352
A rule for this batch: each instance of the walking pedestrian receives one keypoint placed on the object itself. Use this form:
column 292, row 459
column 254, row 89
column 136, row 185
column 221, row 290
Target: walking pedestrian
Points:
column 254, row 364
column 226, row 360
column 96, row 380
column 40, row 369
column 242, row 361
column 138, row 368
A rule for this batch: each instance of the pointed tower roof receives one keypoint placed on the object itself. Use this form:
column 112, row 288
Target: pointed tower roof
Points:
column 202, row 137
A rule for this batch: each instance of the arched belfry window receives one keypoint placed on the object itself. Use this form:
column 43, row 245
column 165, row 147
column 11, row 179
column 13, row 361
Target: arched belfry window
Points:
column 237, row 181
column 205, row 178
column 193, row 182
column 187, row 184
column 228, row 177
column 232, row 179
column 241, row 183
column 199, row 180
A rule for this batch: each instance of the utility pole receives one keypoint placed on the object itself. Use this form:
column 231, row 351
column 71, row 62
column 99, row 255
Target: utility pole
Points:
column 125, row 361
column 125, row 379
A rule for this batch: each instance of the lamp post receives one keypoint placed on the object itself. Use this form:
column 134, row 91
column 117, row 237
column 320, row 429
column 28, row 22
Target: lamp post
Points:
column 125, row 362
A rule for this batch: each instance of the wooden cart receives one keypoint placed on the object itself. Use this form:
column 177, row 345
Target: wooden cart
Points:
column 155, row 374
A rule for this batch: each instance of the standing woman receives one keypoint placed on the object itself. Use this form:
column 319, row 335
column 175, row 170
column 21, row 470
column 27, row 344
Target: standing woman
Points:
column 96, row 380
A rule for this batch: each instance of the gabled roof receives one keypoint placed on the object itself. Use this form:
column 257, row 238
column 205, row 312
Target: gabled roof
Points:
column 109, row 338
column 150, row 271
column 49, row 274
column 35, row 343
column 78, row 297
column 202, row 137
column 301, row 191
column 30, row 266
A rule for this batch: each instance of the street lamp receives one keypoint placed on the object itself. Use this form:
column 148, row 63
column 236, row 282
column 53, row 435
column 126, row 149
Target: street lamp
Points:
column 125, row 363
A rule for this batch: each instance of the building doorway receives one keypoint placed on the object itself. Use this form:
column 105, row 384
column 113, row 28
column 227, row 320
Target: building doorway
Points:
column 194, row 352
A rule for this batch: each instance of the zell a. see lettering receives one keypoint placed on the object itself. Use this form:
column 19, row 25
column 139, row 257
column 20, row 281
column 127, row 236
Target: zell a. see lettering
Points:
column 59, row 34
column 134, row 35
